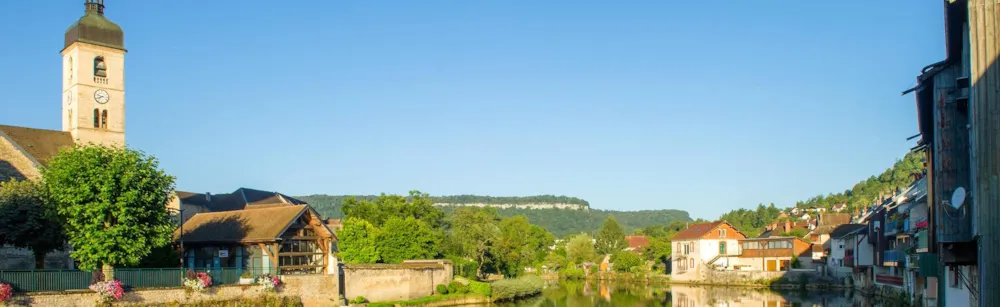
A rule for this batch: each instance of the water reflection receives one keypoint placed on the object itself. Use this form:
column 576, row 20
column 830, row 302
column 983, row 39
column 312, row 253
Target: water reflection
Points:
column 599, row 294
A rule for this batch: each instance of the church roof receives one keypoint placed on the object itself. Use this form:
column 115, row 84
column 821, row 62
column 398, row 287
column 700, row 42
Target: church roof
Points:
column 41, row 144
column 94, row 28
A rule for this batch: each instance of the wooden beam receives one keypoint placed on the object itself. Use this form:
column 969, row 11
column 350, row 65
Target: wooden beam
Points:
column 269, row 253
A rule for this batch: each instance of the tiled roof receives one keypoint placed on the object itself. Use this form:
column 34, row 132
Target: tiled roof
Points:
column 41, row 144
column 240, row 199
column 252, row 225
column 637, row 242
column 695, row 231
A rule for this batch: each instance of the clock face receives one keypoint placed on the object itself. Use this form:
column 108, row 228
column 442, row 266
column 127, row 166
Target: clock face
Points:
column 101, row 96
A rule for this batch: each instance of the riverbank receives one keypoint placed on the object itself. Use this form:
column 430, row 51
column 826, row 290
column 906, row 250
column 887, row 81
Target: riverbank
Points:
column 447, row 300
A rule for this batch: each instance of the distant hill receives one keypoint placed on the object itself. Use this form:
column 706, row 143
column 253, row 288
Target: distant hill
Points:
column 561, row 215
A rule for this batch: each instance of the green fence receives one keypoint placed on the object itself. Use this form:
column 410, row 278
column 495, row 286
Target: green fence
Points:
column 61, row 280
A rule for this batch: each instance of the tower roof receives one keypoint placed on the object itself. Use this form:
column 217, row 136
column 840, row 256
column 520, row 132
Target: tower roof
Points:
column 94, row 28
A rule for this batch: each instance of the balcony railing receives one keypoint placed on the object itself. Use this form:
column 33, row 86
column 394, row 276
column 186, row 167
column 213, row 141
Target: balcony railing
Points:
column 891, row 257
column 891, row 228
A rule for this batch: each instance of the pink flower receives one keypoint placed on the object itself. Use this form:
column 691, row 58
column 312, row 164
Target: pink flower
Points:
column 5, row 292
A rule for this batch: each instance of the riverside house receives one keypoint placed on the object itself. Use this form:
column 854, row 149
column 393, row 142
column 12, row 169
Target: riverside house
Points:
column 773, row 254
column 265, row 232
column 703, row 246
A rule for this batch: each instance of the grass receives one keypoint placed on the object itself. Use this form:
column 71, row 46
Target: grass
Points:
column 426, row 300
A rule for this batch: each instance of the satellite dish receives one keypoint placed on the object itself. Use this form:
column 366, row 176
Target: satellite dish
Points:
column 958, row 197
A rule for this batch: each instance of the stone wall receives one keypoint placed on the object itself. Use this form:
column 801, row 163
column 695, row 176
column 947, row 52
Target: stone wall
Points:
column 394, row 282
column 315, row 290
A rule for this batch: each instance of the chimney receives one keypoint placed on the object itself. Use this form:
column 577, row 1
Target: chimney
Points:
column 788, row 226
column 208, row 196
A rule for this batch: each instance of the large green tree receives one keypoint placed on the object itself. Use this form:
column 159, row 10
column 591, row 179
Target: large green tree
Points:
column 358, row 241
column 417, row 205
column 475, row 231
column 580, row 249
column 112, row 200
column 28, row 219
column 405, row 239
column 611, row 237
column 520, row 245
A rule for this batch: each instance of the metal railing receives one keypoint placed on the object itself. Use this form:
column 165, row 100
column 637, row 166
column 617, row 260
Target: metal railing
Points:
column 62, row 280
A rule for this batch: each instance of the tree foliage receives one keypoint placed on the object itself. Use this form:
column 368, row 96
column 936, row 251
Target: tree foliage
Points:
column 624, row 261
column 581, row 249
column 560, row 222
column 357, row 241
column 474, row 231
column 112, row 201
column 377, row 211
column 520, row 245
column 861, row 195
column 405, row 239
column 611, row 238
column 28, row 219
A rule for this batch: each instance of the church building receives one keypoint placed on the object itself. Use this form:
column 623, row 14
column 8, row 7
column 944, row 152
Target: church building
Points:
column 93, row 106
column 93, row 111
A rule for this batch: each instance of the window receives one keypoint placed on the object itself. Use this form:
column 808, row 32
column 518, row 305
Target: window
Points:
column 100, row 69
column 691, row 263
column 722, row 233
column 69, row 65
column 69, row 118
column 104, row 119
column 97, row 118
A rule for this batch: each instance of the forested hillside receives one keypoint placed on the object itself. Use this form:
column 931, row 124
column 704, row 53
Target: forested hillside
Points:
column 861, row 195
column 560, row 222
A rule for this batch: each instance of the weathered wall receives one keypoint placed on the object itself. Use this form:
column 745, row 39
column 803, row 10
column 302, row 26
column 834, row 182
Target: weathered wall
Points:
column 13, row 162
column 315, row 290
column 392, row 282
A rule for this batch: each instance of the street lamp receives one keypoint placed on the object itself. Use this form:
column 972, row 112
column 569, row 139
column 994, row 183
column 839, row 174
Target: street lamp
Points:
column 181, row 227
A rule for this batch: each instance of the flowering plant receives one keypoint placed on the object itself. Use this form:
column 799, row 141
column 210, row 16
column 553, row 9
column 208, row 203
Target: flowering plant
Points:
column 108, row 290
column 268, row 283
column 5, row 292
column 197, row 281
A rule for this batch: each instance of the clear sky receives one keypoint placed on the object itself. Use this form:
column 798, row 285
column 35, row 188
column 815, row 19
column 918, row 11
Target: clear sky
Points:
column 704, row 106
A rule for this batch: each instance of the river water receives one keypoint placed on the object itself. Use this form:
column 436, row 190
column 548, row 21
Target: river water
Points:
column 594, row 293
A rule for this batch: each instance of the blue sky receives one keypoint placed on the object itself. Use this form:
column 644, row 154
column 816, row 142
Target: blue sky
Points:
column 704, row 106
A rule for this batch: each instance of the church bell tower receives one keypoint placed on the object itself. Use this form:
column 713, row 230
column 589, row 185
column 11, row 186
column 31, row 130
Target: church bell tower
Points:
column 94, row 78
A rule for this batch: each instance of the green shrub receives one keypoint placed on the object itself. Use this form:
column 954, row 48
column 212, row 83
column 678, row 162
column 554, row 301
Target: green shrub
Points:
column 441, row 289
column 509, row 289
column 462, row 289
column 572, row 272
column 453, row 287
column 594, row 269
column 623, row 261
column 359, row 300
column 481, row 288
